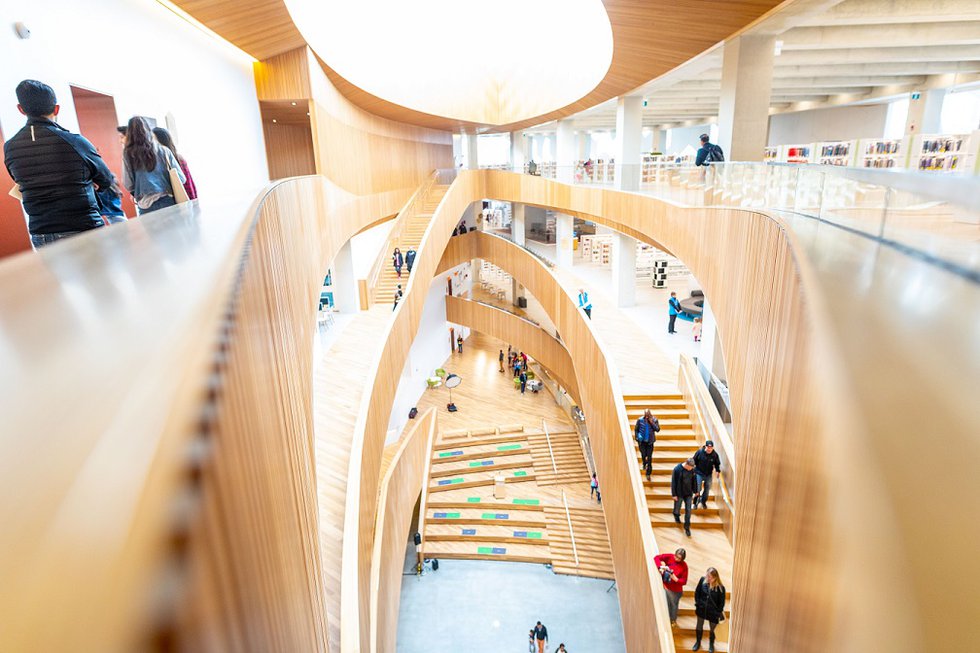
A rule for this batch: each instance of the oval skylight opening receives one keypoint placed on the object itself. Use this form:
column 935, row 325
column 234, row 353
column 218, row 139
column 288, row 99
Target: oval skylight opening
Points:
column 492, row 63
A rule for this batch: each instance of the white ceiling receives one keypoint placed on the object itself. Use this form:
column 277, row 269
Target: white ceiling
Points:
column 833, row 52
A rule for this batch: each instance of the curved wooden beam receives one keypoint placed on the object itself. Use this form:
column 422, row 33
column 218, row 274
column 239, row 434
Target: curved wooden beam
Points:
column 502, row 325
column 650, row 38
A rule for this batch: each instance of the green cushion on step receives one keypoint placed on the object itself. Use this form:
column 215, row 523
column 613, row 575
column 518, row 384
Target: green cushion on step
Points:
column 473, row 499
column 527, row 502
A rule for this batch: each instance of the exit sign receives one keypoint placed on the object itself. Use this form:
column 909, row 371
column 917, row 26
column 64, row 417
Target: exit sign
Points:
column 916, row 96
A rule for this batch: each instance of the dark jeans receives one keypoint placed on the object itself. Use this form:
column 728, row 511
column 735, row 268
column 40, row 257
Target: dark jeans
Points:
column 646, row 453
column 162, row 203
column 40, row 240
column 523, row 386
column 670, row 324
column 706, row 480
column 699, row 630
column 687, row 510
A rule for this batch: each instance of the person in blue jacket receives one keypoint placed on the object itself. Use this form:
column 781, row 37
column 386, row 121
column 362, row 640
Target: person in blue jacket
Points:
column 584, row 303
column 645, row 432
column 673, row 309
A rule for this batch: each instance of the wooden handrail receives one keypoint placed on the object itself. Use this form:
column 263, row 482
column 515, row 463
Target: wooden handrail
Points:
column 405, row 480
column 394, row 237
column 568, row 517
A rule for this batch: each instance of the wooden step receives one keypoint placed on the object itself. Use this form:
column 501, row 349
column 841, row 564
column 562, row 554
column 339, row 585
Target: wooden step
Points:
column 489, row 465
column 479, row 482
column 488, row 505
column 660, row 520
column 683, row 642
column 511, row 534
column 500, row 439
column 486, row 517
column 477, row 455
column 476, row 551
column 667, row 506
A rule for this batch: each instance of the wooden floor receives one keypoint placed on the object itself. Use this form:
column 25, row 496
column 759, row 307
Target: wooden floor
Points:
column 498, row 431
column 338, row 388
column 708, row 545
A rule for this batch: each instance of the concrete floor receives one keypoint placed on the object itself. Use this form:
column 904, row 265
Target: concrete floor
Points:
column 477, row 606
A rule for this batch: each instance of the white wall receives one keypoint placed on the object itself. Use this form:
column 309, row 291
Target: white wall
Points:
column 680, row 138
column 153, row 63
column 833, row 124
column 366, row 247
column 430, row 349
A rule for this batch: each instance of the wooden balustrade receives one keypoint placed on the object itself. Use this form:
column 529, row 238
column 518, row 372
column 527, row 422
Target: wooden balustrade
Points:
column 506, row 326
column 401, row 487
column 709, row 426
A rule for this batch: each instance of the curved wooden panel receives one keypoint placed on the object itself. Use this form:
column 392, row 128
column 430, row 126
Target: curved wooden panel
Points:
column 500, row 324
column 401, row 486
column 650, row 37
column 182, row 433
column 643, row 606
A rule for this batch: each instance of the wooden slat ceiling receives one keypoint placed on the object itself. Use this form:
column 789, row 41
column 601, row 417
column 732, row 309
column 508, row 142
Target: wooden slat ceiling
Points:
column 650, row 37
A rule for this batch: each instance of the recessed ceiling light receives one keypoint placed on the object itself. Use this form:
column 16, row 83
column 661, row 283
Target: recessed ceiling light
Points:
column 274, row 120
column 294, row 104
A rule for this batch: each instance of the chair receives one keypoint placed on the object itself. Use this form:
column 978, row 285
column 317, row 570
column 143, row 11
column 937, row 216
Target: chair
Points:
column 433, row 382
column 441, row 373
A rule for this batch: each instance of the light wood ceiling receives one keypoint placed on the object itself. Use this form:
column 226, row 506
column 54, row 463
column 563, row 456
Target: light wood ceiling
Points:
column 650, row 37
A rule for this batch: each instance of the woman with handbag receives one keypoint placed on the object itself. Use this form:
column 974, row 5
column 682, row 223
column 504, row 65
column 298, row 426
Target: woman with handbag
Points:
column 151, row 174
column 165, row 139
column 709, row 604
column 673, row 572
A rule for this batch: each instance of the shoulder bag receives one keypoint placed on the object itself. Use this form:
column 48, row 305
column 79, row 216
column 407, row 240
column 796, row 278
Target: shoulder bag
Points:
column 180, row 193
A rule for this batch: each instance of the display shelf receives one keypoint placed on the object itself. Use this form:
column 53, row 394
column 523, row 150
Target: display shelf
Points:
column 940, row 152
column 882, row 153
column 836, row 153
column 799, row 153
column 771, row 154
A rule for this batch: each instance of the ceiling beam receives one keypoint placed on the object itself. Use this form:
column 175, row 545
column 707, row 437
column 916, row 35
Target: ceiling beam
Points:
column 892, row 12
column 925, row 34
column 908, row 53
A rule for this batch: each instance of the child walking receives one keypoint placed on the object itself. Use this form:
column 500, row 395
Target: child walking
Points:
column 696, row 329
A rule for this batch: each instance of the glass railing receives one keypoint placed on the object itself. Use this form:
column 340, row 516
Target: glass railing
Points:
column 933, row 216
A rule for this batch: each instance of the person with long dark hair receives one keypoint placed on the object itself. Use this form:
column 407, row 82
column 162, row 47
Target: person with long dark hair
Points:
column 146, row 168
column 165, row 139
column 709, row 604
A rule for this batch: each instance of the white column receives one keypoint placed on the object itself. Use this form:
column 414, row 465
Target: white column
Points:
column 565, row 154
column 517, row 223
column 583, row 142
column 563, row 237
column 344, row 284
column 925, row 112
column 659, row 140
column 629, row 120
column 746, row 87
column 711, row 350
column 624, row 269
column 518, row 150
column 517, row 292
column 469, row 151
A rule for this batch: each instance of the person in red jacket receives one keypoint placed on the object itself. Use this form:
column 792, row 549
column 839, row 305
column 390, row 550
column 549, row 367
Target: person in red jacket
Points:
column 673, row 571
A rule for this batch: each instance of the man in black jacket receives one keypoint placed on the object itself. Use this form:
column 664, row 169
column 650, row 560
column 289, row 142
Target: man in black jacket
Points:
column 57, row 171
column 709, row 152
column 683, row 484
column 706, row 462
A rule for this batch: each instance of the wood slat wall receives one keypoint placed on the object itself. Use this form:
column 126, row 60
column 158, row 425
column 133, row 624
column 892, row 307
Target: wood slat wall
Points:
column 401, row 486
column 528, row 337
column 356, row 150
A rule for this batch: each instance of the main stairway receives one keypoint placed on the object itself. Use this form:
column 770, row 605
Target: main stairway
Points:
column 709, row 545
column 410, row 229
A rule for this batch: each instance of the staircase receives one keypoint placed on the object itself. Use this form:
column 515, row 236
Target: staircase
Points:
column 410, row 228
column 708, row 546
column 591, row 542
column 568, row 457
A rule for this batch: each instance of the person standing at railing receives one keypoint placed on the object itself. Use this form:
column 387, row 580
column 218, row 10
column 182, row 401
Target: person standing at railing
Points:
column 673, row 310
column 56, row 172
column 584, row 303
column 397, row 260
column 673, row 573
column 709, row 152
column 459, row 343
column 706, row 462
column 532, row 167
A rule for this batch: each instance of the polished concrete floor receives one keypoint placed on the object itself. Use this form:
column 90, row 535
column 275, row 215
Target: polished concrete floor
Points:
column 476, row 606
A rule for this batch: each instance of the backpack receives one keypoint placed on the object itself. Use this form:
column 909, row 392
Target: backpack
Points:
column 715, row 155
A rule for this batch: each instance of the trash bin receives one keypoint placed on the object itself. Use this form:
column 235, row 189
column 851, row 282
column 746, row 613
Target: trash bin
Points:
column 499, row 487
column 522, row 302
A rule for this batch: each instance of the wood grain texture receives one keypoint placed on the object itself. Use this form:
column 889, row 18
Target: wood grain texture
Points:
column 360, row 152
column 261, row 28
column 500, row 324
column 401, row 486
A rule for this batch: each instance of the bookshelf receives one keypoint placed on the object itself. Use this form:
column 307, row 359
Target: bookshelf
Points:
column 836, row 153
column 940, row 152
column 882, row 153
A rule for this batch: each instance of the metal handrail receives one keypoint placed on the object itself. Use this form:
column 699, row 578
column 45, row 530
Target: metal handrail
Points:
column 547, row 436
column 571, row 531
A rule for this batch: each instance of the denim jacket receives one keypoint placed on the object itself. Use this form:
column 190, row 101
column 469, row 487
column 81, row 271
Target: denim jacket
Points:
column 148, row 186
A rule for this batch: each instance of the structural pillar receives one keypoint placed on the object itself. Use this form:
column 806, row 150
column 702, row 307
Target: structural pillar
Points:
column 470, row 159
column 564, row 226
column 565, row 151
column 518, row 150
column 925, row 112
column 517, row 292
column 517, row 223
column 344, row 284
column 659, row 141
column 583, row 143
column 624, row 269
column 746, row 87
column 629, row 121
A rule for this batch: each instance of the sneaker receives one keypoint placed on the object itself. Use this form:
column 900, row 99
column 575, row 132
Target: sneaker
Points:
column 688, row 531
column 648, row 478
column 696, row 647
column 677, row 518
